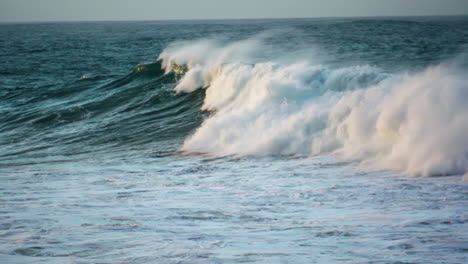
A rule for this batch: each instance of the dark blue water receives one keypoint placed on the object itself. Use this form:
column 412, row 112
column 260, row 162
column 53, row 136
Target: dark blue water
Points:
column 265, row 141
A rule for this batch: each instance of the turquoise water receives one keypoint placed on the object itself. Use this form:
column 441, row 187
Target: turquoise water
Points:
column 264, row 141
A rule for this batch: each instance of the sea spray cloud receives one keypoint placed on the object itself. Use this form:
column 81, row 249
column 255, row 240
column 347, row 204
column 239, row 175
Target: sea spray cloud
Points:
column 415, row 123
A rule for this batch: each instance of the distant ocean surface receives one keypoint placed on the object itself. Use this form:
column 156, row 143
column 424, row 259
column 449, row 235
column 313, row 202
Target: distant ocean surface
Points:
column 235, row 141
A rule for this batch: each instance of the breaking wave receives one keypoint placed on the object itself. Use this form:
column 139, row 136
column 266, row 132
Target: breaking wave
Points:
column 413, row 122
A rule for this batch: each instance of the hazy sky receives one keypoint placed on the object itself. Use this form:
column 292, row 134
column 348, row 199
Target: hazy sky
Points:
column 75, row 10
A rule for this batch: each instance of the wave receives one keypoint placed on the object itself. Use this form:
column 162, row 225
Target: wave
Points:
column 412, row 122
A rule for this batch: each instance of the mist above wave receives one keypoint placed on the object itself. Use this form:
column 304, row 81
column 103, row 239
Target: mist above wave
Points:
column 411, row 122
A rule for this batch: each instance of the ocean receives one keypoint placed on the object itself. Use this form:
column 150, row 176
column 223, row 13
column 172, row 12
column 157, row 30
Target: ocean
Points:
column 331, row 140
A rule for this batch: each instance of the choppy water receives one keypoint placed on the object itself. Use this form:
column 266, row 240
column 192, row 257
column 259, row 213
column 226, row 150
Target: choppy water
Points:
column 264, row 141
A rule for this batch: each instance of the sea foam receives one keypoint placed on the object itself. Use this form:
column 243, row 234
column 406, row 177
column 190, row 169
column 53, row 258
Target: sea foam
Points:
column 416, row 123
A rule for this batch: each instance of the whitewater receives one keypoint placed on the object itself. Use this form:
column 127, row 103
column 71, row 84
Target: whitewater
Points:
column 233, row 141
column 411, row 122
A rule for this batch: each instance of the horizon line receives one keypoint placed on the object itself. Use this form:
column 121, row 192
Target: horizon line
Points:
column 225, row 19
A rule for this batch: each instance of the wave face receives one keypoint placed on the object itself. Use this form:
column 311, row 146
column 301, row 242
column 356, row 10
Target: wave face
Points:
column 414, row 122
column 94, row 116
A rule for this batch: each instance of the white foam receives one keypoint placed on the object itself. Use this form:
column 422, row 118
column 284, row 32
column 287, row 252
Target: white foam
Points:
column 416, row 123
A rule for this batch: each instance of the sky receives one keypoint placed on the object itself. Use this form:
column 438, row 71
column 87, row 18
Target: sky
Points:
column 96, row 10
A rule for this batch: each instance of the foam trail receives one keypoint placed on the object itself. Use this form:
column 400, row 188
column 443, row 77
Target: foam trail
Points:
column 414, row 123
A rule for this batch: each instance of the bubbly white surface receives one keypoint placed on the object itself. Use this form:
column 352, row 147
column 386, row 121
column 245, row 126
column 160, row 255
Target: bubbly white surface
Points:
column 230, row 210
column 415, row 122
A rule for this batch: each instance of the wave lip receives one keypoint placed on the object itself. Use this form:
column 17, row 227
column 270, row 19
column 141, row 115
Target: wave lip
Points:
column 414, row 123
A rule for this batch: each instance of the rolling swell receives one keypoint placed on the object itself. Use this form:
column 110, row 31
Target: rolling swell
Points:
column 97, row 115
